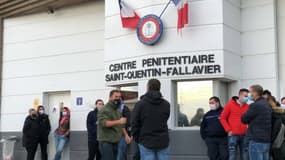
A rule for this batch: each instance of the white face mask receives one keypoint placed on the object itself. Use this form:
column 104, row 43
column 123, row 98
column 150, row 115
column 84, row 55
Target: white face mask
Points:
column 283, row 106
column 41, row 111
column 213, row 107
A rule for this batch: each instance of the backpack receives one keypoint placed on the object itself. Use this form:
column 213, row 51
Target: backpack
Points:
column 278, row 131
column 280, row 137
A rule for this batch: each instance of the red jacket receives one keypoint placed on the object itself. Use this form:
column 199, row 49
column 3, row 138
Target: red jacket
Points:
column 231, row 117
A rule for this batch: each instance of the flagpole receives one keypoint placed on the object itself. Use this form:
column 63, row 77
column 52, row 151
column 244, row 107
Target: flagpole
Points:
column 165, row 8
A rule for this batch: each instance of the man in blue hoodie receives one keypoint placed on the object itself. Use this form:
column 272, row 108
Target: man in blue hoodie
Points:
column 213, row 132
column 91, row 123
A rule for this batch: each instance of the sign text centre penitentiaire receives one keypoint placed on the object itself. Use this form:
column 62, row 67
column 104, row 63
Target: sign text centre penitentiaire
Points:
column 163, row 66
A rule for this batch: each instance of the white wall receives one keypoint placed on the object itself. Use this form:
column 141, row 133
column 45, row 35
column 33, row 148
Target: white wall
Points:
column 214, row 27
column 53, row 52
column 244, row 30
column 232, row 42
column 253, row 21
column 67, row 50
column 258, row 44
column 205, row 28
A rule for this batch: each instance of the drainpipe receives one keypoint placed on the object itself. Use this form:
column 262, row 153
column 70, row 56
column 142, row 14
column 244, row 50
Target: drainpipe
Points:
column 277, row 55
column 1, row 67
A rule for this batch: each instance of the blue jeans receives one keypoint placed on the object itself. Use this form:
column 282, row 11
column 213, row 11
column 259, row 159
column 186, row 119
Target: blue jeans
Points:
column 122, row 149
column 149, row 154
column 259, row 151
column 109, row 151
column 235, row 143
column 60, row 142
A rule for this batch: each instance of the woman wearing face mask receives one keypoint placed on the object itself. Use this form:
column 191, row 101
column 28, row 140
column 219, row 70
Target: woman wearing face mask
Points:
column 44, row 131
column 62, row 132
column 213, row 132
column 31, row 134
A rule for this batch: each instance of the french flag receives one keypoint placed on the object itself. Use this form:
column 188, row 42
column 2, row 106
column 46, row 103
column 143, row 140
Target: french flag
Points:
column 182, row 6
column 129, row 17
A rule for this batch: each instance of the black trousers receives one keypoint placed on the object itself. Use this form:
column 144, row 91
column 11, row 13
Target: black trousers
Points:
column 93, row 150
column 108, row 150
column 44, row 154
column 31, row 151
column 217, row 148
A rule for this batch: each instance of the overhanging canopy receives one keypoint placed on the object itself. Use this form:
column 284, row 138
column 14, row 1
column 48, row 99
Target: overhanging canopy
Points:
column 9, row 8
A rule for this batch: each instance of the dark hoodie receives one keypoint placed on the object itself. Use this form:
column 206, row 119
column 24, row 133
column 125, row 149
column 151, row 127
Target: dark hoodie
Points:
column 149, row 121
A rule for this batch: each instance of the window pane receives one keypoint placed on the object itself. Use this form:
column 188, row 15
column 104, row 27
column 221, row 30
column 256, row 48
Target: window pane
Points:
column 130, row 96
column 192, row 99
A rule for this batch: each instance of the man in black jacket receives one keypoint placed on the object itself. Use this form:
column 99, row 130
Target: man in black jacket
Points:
column 31, row 134
column 91, row 123
column 258, row 117
column 149, row 123
column 213, row 132
column 44, row 131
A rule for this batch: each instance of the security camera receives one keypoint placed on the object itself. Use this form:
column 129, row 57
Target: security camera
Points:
column 50, row 10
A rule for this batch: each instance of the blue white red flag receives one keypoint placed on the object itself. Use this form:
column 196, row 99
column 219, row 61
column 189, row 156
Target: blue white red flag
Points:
column 129, row 17
column 182, row 7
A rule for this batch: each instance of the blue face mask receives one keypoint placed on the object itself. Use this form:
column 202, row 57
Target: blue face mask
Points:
column 244, row 100
column 250, row 97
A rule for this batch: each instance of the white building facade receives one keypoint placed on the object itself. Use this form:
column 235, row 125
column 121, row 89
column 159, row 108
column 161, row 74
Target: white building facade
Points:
column 77, row 55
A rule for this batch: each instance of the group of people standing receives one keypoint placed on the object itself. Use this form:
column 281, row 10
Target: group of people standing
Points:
column 112, row 128
column 36, row 132
column 251, row 124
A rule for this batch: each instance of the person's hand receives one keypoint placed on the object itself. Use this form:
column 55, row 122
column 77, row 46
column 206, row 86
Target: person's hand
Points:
column 230, row 133
column 66, row 134
column 128, row 139
column 122, row 120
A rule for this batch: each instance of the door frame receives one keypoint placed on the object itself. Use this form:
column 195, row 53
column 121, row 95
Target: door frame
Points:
column 46, row 102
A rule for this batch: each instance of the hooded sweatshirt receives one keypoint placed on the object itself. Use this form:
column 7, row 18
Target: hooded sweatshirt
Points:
column 149, row 121
column 231, row 117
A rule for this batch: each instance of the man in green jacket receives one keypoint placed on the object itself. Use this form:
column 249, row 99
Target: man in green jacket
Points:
column 110, row 124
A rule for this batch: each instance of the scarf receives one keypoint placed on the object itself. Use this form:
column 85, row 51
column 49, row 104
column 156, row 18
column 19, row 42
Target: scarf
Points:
column 66, row 117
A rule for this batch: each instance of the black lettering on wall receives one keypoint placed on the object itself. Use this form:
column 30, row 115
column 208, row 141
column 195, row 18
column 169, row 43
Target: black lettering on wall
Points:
column 211, row 58
column 217, row 68
column 163, row 66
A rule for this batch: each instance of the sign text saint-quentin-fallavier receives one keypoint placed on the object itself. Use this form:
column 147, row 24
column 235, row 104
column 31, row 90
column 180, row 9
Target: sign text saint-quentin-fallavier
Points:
column 163, row 66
